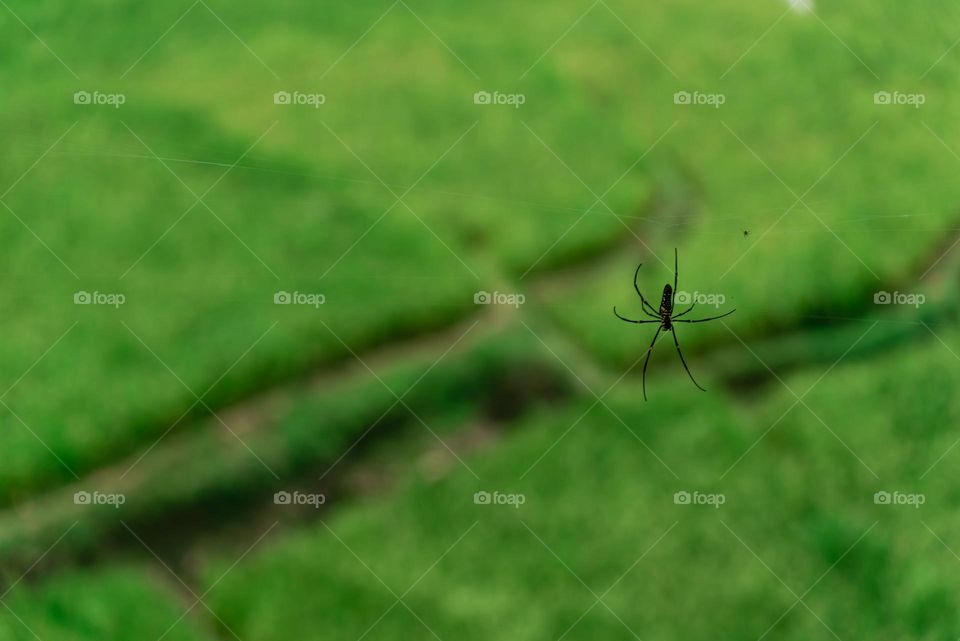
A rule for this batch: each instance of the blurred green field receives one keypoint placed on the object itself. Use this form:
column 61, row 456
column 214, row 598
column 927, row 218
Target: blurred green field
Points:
column 200, row 201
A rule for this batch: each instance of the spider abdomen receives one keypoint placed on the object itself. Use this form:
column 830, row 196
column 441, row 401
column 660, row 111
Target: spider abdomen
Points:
column 666, row 303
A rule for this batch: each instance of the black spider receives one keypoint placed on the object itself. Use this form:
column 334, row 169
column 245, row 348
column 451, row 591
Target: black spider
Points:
column 665, row 318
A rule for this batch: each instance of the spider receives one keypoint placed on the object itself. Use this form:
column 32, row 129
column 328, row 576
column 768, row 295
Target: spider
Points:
column 665, row 318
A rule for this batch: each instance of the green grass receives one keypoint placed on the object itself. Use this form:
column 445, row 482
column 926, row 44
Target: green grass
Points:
column 299, row 433
column 104, row 605
column 498, row 201
column 201, row 297
column 494, row 199
column 599, row 500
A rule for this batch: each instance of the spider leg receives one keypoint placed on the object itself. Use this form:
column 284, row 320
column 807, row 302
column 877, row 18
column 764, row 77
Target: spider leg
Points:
column 646, row 305
column 630, row 320
column 653, row 315
column 647, row 361
column 676, row 276
column 677, row 343
column 703, row 320
column 686, row 311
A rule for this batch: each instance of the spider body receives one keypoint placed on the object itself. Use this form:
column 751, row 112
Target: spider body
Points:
column 666, row 307
column 665, row 318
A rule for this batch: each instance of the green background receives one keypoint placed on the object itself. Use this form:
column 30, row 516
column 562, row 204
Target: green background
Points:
column 819, row 463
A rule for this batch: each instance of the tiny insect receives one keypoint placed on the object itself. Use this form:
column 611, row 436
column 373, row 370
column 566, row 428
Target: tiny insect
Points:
column 665, row 318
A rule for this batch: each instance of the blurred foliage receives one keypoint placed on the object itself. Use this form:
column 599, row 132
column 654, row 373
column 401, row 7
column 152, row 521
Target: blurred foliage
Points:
column 399, row 199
